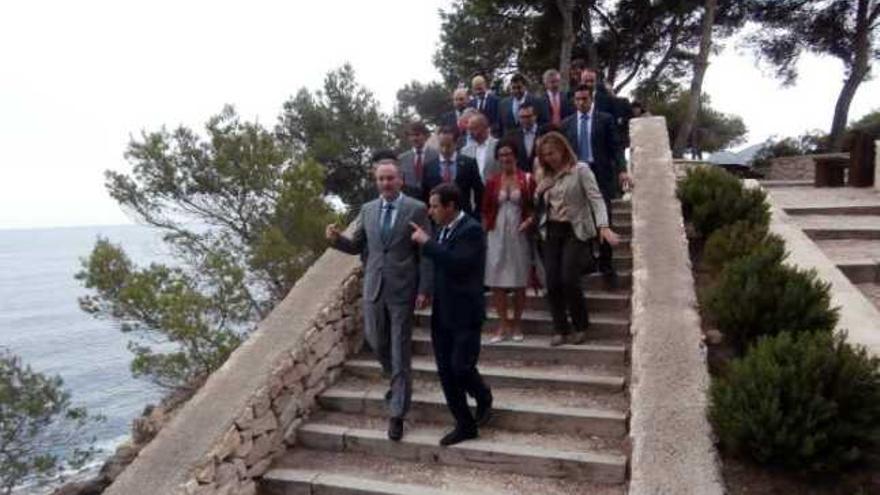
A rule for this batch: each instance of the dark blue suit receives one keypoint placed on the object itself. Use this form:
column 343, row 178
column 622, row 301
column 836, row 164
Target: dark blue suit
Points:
column 490, row 110
column 459, row 309
column 508, row 118
column 467, row 178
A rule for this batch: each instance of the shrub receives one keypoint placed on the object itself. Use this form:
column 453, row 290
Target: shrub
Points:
column 758, row 295
column 712, row 198
column 739, row 239
column 808, row 402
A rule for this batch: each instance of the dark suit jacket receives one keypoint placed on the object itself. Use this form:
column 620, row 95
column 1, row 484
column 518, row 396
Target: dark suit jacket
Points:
column 467, row 178
column 459, row 265
column 449, row 119
column 608, row 159
column 509, row 120
column 525, row 160
column 490, row 111
column 545, row 110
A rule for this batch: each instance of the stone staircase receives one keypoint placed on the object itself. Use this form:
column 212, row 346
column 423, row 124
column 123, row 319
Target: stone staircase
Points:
column 560, row 418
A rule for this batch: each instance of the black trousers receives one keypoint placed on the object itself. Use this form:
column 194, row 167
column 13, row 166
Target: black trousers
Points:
column 606, row 263
column 456, row 351
column 565, row 257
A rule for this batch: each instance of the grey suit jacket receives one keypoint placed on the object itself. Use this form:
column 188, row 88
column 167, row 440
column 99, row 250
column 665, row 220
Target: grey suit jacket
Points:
column 490, row 167
column 396, row 269
column 407, row 160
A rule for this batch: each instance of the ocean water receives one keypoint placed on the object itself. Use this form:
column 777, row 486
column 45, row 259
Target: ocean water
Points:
column 40, row 321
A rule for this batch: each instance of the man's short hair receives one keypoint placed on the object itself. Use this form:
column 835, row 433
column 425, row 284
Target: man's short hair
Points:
column 459, row 91
column 548, row 74
column 526, row 104
column 519, row 78
column 383, row 156
column 578, row 63
column 478, row 117
column 447, row 193
column 477, row 79
column 417, row 127
column 583, row 87
column 448, row 129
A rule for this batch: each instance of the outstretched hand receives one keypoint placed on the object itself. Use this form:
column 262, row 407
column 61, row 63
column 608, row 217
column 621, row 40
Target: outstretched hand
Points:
column 332, row 232
column 419, row 236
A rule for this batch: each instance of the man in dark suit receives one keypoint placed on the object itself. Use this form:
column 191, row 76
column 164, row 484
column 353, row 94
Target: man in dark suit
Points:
column 593, row 136
column 459, row 105
column 414, row 160
column 526, row 137
column 459, row 257
column 486, row 103
column 554, row 105
column 509, row 109
column 605, row 101
column 456, row 168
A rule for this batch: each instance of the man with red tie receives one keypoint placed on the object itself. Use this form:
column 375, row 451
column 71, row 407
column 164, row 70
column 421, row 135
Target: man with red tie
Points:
column 452, row 166
column 555, row 105
column 414, row 160
column 486, row 103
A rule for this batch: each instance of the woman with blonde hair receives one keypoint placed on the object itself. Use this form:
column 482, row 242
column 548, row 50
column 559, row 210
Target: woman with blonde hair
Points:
column 575, row 215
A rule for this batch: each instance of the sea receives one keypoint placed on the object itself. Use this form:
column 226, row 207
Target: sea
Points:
column 40, row 321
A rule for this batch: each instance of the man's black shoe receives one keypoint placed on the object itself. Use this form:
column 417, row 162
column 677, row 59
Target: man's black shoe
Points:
column 388, row 395
column 611, row 279
column 484, row 411
column 458, row 435
column 395, row 429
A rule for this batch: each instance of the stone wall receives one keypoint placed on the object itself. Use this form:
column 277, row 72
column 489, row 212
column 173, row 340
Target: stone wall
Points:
column 791, row 168
column 246, row 414
column 672, row 447
column 877, row 165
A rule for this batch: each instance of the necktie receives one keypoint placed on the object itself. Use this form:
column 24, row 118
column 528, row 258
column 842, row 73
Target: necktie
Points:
column 386, row 221
column 418, row 166
column 447, row 171
column 443, row 233
column 480, row 106
column 557, row 111
column 585, row 149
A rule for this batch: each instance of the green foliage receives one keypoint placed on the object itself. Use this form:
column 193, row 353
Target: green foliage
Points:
column 805, row 144
column 736, row 240
column 339, row 127
column 808, row 402
column 870, row 123
column 758, row 295
column 36, row 420
column 425, row 102
column 713, row 198
column 243, row 214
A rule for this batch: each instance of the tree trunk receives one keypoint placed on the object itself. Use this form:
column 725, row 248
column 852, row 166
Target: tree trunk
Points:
column 857, row 72
column 700, row 66
column 592, row 53
column 566, row 9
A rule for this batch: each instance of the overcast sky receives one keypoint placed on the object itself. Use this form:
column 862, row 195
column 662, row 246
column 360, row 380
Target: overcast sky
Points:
column 78, row 78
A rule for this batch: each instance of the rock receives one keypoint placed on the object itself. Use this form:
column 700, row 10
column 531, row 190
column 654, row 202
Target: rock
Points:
column 90, row 487
column 267, row 422
column 246, row 446
column 259, row 468
column 117, row 463
column 247, row 488
column 227, row 445
column 261, row 403
column 205, row 474
column 226, row 473
column 245, row 419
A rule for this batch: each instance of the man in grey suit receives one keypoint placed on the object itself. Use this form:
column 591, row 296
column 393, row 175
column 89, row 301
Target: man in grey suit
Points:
column 415, row 160
column 396, row 278
column 482, row 147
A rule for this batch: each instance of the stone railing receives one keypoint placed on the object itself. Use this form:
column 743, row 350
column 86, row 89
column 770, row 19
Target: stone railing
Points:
column 672, row 448
column 245, row 414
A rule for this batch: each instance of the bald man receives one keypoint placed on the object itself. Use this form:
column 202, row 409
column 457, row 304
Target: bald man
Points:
column 486, row 103
column 459, row 105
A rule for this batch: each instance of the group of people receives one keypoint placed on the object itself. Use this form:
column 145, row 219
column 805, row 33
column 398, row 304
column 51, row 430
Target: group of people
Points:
column 513, row 192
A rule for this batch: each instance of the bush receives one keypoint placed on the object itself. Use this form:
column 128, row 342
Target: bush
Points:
column 807, row 402
column 758, row 295
column 713, row 198
column 740, row 239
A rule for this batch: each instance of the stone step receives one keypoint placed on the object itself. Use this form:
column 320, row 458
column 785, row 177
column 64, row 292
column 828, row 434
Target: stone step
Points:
column 431, row 407
column 306, row 471
column 602, row 302
column 536, row 322
column 835, row 210
column 421, row 444
column 535, row 348
column 512, row 375
column 596, row 282
column 843, row 233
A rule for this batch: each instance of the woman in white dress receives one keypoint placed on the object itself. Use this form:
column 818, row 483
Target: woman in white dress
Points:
column 507, row 215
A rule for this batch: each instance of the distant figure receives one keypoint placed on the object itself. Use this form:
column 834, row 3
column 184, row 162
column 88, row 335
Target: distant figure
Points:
column 639, row 110
column 574, row 75
column 482, row 146
column 458, row 253
column 507, row 219
column 459, row 104
column 414, row 160
column 526, row 137
column 554, row 105
column 396, row 278
column 594, row 138
column 485, row 102
column 509, row 108
column 575, row 211
column 456, row 168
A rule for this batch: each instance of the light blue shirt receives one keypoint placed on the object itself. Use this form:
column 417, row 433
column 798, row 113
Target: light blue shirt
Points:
column 580, row 122
column 396, row 204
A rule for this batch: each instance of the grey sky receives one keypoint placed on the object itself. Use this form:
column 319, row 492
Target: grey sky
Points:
column 77, row 78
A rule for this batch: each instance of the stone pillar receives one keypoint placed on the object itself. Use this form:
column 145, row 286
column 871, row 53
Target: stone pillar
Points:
column 877, row 165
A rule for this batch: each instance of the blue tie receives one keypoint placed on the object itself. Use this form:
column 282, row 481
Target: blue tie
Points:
column 386, row 221
column 585, row 149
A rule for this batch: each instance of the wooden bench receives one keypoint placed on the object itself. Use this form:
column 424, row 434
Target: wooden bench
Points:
column 830, row 169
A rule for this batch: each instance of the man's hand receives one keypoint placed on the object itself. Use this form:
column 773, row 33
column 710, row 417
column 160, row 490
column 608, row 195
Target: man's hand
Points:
column 609, row 236
column 423, row 301
column 546, row 183
column 419, row 236
column 626, row 182
column 332, row 232
column 524, row 226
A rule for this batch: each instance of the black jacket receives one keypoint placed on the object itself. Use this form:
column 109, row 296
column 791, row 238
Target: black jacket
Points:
column 608, row 159
column 467, row 178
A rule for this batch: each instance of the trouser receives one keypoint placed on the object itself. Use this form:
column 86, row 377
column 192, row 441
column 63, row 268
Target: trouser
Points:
column 564, row 259
column 605, row 262
column 388, row 330
column 456, row 352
